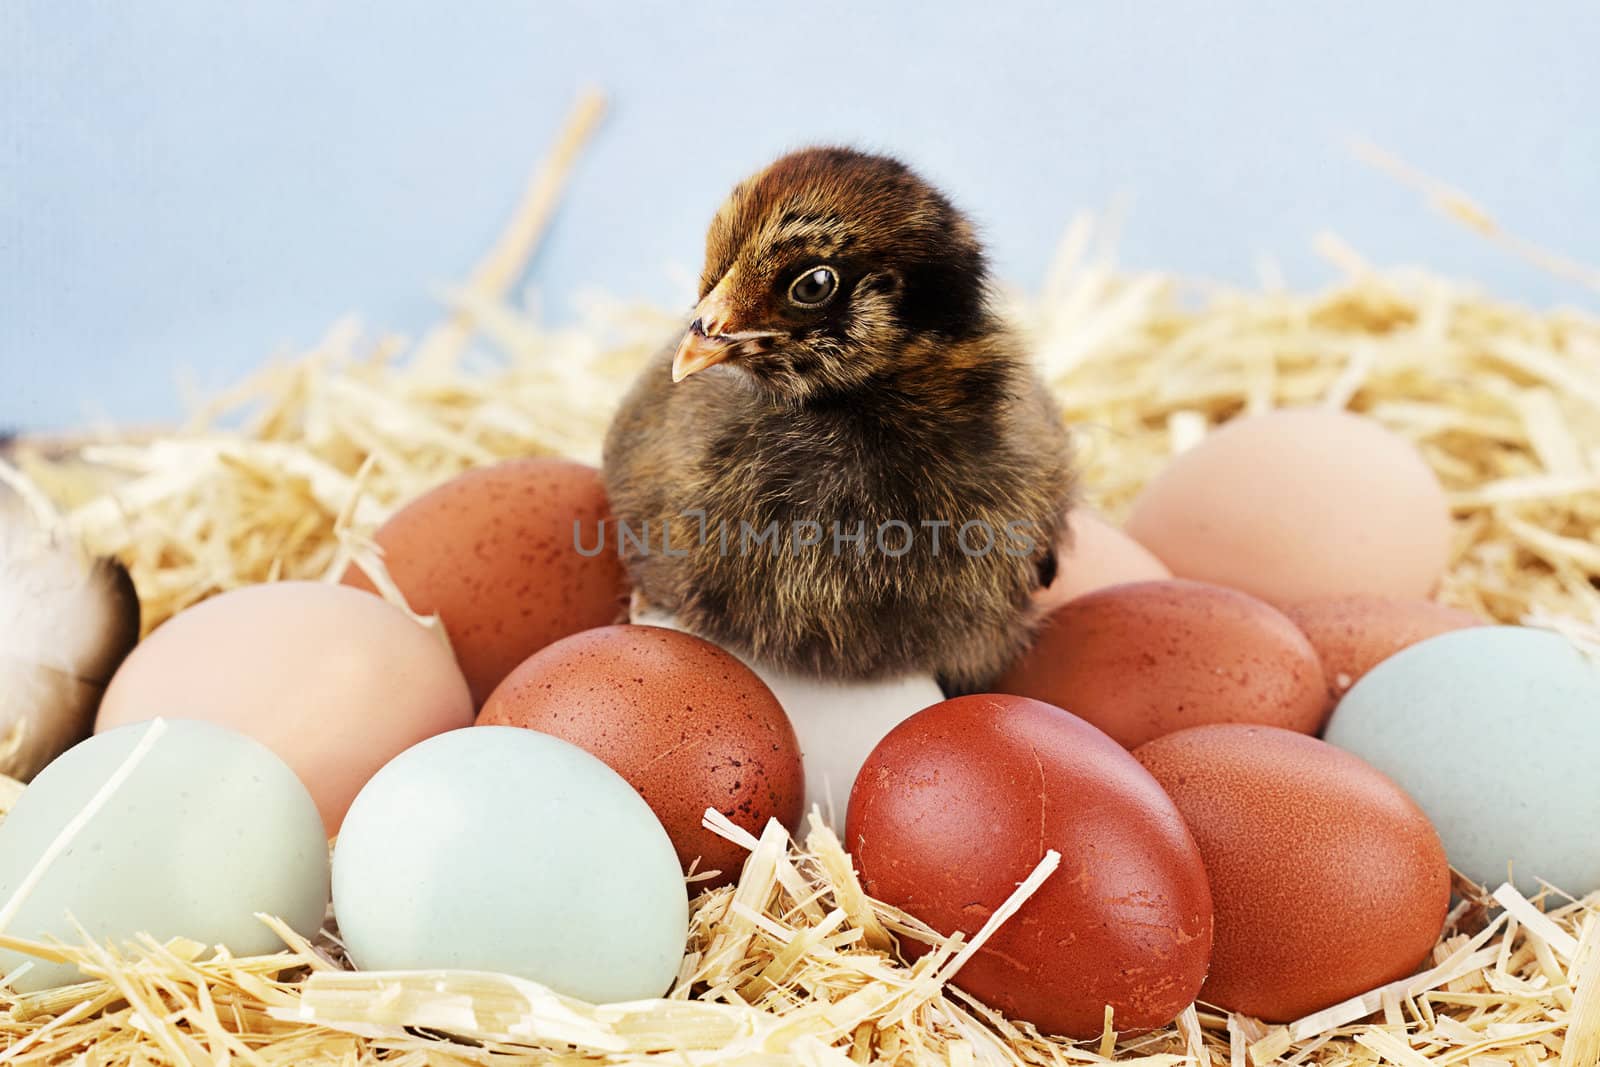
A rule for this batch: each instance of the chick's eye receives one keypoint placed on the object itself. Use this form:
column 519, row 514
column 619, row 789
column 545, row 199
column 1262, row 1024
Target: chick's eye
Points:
column 814, row 287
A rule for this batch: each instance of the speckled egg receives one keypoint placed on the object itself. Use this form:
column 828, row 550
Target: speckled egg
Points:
column 960, row 803
column 1353, row 634
column 1148, row 658
column 1494, row 730
column 1328, row 881
column 685, row 723
column 511, row 557
column 838, row 721
column 1096, row 554
column 1297, row 504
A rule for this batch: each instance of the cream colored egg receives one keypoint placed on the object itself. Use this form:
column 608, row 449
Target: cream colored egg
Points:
column 335, row 681
column 1296, row 504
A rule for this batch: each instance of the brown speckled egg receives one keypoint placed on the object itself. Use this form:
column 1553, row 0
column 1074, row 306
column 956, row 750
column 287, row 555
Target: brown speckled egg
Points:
column 959, row 803
column 1353, row 634
column 493, row 553
column 1328, row 881
column 1149, row 658
column 687, row 724
column 1097, row 554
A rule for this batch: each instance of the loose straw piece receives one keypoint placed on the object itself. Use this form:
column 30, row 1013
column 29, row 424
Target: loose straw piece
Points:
column 1535, row 921
column 1459, row 206
column 493, row 277
column 1019, row 896
column 1582, row 1047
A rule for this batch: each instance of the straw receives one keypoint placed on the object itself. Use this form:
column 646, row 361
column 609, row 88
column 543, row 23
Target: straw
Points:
column 288, row 475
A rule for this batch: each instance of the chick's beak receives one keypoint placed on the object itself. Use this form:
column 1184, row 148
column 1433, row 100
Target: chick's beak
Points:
column 698, row 350
column 712, row 337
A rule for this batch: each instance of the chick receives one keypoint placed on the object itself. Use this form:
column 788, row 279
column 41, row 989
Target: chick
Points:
column 846, row 467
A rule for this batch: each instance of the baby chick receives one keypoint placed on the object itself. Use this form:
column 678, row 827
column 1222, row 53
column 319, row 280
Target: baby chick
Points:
column 845, row 467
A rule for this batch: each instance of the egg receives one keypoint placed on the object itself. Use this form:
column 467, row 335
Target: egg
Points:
column 511, row 557
column 1328, row 881
column 1353, row 634
column 687, row 724
column 838, row 723
column 961, row 802
column 507, row 850
column 1297, row 504
column 1148, row 658
column 1096, row 554
column 207, row 829
column 67, row 619
column 1494, row 731
column 335, row 681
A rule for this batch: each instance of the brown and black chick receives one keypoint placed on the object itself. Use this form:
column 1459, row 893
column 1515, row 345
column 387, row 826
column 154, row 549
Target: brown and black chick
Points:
column 846, row 467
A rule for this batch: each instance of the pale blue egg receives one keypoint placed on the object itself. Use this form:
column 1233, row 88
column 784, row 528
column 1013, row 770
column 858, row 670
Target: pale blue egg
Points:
column 500, row 849
column 209, row 828
column 1495, row 733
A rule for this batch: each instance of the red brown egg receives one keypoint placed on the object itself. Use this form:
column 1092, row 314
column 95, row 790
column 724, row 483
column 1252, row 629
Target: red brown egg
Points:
column 688, row 725
column 496, row 554
column 1150, row 658
column 1353, row 634
column 959, row 803
column 1328, row 880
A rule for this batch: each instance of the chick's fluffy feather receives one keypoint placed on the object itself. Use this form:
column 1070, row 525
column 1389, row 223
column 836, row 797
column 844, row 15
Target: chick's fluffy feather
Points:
column 903, row 411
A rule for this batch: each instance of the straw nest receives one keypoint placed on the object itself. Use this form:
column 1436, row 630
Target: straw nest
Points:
column 287, row 476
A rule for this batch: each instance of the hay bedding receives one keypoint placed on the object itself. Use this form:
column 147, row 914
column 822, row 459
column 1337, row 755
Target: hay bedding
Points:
column 286, row 476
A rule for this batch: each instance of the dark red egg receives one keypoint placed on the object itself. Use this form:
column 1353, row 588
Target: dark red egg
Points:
column 959, row 803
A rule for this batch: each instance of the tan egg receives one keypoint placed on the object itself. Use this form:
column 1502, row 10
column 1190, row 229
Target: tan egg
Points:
column 1147, row 658
column 335, row 681
column 496, row 555
column 1353, row 634
column 1296, row 504
column 1095, row 555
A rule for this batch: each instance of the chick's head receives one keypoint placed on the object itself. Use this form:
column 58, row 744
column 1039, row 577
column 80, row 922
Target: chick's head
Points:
column 823, row 267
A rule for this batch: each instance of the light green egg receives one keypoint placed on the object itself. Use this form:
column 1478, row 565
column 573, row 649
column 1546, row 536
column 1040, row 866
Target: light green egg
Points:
column 500, row 849
column 208, row 829
column 1495, row 733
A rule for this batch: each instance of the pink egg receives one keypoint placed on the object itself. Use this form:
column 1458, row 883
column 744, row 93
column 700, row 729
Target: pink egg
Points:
column 1098, row 554
column 1297, row 504
column 336, row 681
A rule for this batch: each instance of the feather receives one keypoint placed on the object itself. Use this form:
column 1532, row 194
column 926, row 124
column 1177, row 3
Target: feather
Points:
column 67, row 620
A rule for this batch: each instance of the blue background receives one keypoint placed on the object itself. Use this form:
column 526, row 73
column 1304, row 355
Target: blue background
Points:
column 186, row 185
